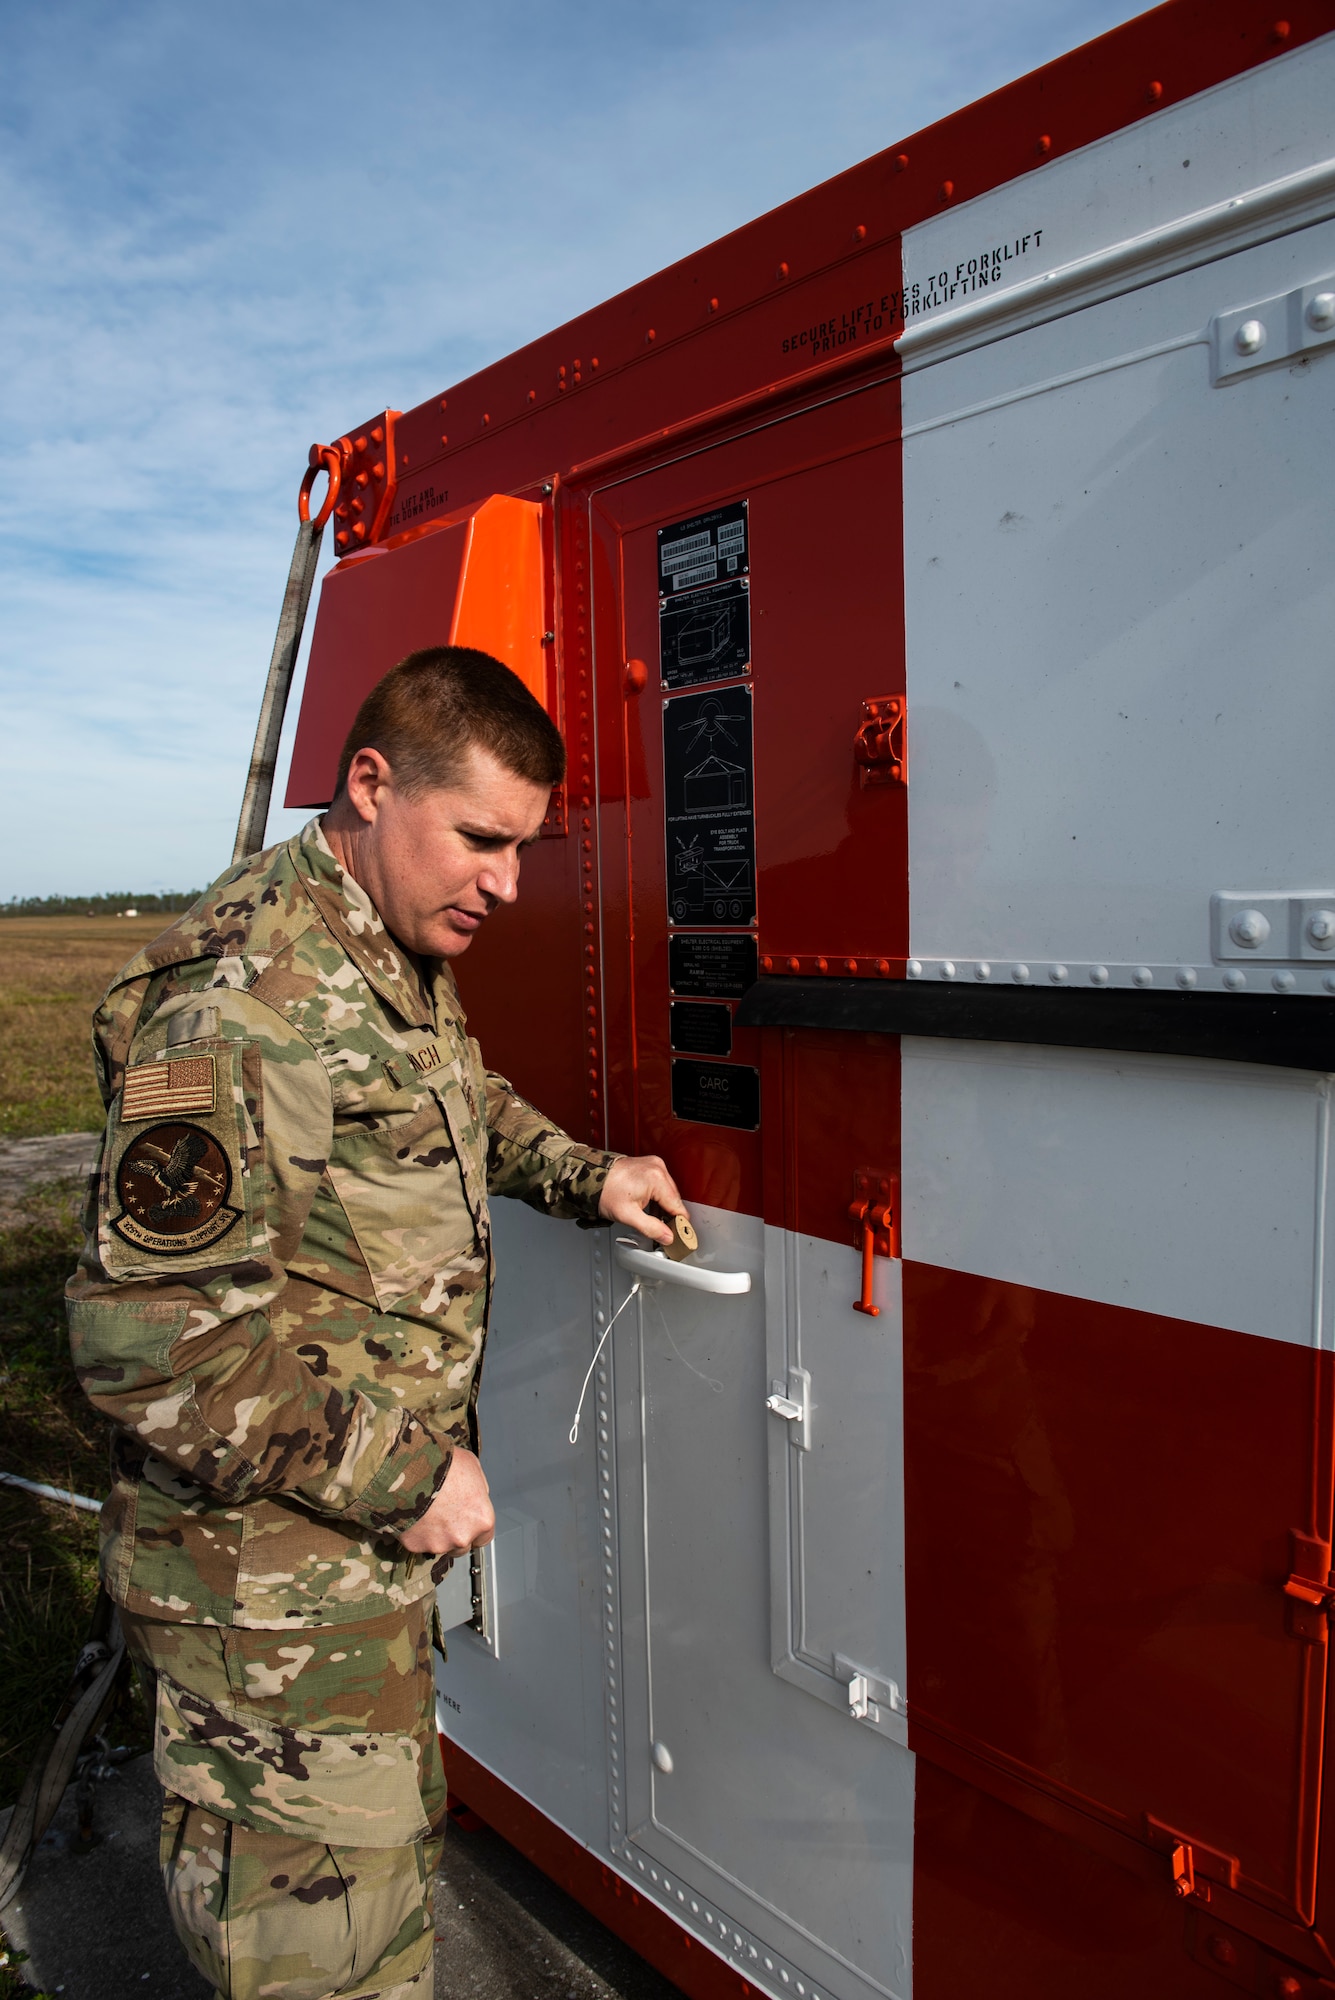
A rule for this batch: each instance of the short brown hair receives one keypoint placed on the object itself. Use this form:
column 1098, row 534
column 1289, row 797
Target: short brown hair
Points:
column 427, row 712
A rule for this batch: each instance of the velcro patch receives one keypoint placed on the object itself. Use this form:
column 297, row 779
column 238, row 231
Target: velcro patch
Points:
column 173, row 1182
column 168, row 1089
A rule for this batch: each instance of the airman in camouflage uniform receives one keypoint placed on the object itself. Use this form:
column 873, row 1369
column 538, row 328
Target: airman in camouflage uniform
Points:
column 282, row 1304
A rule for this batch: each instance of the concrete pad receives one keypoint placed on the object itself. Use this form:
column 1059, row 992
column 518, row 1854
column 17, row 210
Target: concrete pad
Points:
column 504, row 1932
column 94, row 1923
column 28, row 1163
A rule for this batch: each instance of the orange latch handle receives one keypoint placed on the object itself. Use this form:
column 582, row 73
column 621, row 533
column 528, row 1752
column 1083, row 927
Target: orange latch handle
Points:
column 863, row 1214
column 1183, row 1865
column 326, row 458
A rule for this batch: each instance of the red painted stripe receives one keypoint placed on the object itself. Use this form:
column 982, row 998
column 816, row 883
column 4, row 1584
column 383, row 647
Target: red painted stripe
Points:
column 1100, row 1511
column 685, row 1960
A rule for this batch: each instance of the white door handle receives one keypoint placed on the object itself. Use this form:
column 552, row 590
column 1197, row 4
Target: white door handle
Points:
column 696, row 1277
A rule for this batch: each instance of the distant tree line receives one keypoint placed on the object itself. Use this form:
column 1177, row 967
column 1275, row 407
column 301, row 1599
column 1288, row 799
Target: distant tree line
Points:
column 112, row 905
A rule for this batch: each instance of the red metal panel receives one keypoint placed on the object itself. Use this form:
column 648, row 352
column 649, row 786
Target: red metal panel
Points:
column 1005, row 1907
column 1100, row 1506
column 825, row 514
column 477, row 581
column 831, row 1106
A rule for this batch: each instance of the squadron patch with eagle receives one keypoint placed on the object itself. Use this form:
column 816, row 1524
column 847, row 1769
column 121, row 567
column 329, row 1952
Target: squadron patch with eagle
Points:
column 173, row 1184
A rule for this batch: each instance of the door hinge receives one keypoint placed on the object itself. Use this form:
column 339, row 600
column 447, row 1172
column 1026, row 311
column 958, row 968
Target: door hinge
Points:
column 878, row 747
column 1308, row 1587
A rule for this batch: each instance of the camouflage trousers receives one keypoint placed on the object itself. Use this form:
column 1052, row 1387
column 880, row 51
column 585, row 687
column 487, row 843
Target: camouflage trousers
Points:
column 304, row 1801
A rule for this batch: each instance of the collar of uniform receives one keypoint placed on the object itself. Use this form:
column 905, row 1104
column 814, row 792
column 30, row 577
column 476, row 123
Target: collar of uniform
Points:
column 445, row 994
column 358, row 926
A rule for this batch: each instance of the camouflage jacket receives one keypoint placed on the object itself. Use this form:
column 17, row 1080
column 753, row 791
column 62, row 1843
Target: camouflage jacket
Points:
column 282, row 1298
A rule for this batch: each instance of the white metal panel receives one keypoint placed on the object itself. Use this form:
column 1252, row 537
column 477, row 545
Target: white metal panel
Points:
column 837, row 1477
column 784, row 1822
column 534, row 1715
column 1257, row 128
column 1119, row 601
column 1189, row 1188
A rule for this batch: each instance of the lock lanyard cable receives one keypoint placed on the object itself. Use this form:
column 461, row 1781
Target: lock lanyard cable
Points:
column 588, row 1373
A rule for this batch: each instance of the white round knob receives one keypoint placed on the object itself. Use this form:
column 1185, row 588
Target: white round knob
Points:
column 1321, row 929
column 1250, row 337
column 663, row 1758
column 1321, row 312
column 1250, row 929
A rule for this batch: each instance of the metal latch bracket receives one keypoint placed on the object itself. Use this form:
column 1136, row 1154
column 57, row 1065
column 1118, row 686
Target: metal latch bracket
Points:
column 791, row 1400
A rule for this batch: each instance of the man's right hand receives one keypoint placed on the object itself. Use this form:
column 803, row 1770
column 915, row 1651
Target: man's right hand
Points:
column 460, row 1517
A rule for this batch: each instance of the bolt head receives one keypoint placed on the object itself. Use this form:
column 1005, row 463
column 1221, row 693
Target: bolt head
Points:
column 1321, row 312
column 1250, row 337
column 1321, row 929
column 1250, row 929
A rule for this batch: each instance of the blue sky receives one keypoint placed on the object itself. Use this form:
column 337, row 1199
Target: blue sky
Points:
column 226, row 231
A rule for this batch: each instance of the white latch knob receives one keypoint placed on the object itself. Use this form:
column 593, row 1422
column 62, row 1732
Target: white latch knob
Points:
column 859, row 1696
column 1321, row 312
column 1250, row 337
column 791, row 1400
column 1321, row 929
column 1250, row 928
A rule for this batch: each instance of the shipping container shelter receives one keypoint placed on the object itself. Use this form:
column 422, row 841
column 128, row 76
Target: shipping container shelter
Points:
column 933, row 583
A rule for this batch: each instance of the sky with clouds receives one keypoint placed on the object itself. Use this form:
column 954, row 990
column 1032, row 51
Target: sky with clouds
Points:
column 226, row 231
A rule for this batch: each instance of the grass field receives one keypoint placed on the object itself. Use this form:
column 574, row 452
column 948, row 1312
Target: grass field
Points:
column 53, row 971
column 48, row 1552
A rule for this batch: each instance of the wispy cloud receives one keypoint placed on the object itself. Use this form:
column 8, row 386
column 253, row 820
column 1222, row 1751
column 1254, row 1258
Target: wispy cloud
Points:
column 227, row 231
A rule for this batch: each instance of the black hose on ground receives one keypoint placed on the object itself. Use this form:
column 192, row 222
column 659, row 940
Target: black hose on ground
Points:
column 97, row 1672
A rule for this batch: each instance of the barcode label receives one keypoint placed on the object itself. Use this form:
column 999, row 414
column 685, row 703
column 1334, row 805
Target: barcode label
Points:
column 684, row 579
column 685, row 551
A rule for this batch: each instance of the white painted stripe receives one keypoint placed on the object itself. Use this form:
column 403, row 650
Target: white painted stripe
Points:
column 1190, row 1188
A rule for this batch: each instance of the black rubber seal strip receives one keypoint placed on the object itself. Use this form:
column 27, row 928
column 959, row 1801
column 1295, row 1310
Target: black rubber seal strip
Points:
column 1294, row 1031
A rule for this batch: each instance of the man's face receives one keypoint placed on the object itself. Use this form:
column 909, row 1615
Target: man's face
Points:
column 436, row 866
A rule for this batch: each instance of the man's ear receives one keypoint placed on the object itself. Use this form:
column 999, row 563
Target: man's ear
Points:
column 368, row 777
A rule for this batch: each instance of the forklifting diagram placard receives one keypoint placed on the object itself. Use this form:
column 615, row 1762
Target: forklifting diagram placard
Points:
column 709, row 806
column 704, row 602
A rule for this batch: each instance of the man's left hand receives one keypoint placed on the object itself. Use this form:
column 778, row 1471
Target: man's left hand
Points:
column 631, row 1185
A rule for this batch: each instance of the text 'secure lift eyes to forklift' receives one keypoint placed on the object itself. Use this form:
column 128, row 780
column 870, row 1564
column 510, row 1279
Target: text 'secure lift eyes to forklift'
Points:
column 934, row 583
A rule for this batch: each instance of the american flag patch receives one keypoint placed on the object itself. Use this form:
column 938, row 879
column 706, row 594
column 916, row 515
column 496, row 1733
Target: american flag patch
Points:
column 164, row 1089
